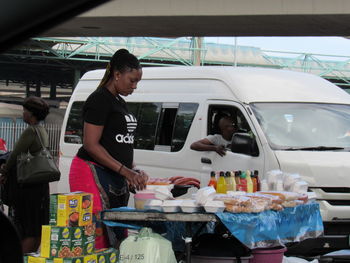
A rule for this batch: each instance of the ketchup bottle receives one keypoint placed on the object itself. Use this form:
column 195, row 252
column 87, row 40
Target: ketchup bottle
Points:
column 212, row 181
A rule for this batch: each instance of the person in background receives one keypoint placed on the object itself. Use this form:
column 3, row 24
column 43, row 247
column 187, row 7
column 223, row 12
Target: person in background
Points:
column 30, row 203
column 104, row 164
column 217, row 142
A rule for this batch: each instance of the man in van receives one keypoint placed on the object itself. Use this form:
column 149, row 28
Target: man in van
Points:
column 217, row 142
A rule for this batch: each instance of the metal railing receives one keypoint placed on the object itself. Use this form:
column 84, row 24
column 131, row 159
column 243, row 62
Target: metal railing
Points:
column 10, row 132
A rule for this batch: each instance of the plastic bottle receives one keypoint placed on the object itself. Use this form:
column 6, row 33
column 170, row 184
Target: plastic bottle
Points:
column 229, row 181
column 255, row 182
column 258, row 184
column 221, row 187
column 249, row 182
column 242, row 182
column 212, row 181
column 237, row 178
column 233, row 179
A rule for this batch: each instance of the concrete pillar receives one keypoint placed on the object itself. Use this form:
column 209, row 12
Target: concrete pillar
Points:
column 197, row 51
column 38, row 89
column 27, row 88
column 53, row 90
column 77, row 73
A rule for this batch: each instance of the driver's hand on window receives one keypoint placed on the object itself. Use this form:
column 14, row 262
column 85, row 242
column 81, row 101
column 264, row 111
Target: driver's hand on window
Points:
column 220, row 149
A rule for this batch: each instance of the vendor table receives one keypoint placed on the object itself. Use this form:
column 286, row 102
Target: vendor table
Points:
column 255, row 230
column 124, row 214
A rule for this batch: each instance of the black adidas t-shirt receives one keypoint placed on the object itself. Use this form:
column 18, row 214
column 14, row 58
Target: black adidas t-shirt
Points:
column 103, row 108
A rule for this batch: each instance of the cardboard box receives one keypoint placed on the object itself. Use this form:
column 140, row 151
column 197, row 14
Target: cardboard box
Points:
column 55, row 241
column 89, row 239
column 37, row 259
column 63, row 242
column 74, row 209
column 69, row 260
column 77, row 241
column 107, row 255
column 90, row 259
column 83, row 240
column 53, row 209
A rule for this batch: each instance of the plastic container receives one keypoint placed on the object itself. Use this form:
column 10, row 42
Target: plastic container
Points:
column 189, row 206
column 206, row 259
column 154, row 204
column 140, row 198
column 271, row 255
column 214, row 206
column 171, row 206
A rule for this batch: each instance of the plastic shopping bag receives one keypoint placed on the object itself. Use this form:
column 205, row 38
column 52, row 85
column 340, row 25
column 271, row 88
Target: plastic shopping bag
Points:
column 146, row 247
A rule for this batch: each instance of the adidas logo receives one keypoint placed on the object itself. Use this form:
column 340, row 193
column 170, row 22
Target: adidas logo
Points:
column 131, row 122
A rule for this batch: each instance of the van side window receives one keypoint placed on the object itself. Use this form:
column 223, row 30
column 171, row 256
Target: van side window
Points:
column 162, row 126
column 147, row 115
column 242, row 126
column 74, row 128
column 217, row 111
column 166, row 126
column 185, row 115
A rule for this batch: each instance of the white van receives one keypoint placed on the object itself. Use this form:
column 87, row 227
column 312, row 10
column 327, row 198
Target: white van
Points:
column 300, row 123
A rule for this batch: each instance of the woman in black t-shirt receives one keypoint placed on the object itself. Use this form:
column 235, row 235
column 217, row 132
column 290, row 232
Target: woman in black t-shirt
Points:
column 104, row 164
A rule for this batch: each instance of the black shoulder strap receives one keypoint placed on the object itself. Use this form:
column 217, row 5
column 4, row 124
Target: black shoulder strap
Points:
column 38, row 134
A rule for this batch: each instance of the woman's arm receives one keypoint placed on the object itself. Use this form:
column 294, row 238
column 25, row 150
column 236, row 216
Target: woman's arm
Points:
column 91, row 143
column 22, row 146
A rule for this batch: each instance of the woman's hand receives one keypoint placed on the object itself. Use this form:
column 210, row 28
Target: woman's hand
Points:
column 136, row 179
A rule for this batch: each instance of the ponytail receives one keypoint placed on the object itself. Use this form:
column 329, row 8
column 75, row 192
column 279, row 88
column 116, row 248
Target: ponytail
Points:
column 106, row 76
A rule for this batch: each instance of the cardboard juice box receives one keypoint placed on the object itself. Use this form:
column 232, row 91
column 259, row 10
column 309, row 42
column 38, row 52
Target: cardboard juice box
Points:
column 69, row 260
column 86, row 209
column 83, row 240
column 37, row 259
column 77, row 241
column 53, row 209
column 90, row 259
column 107, row 255
column 74, row 209
column 55, row 241
column 84, row 259
column 89, row 239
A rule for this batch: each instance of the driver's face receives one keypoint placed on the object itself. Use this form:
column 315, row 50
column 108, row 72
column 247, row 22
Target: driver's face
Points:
column 227, row 126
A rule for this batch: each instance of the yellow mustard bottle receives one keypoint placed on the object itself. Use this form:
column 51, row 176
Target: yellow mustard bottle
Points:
column 221, row 187
column 230, row 182
column 250, row 185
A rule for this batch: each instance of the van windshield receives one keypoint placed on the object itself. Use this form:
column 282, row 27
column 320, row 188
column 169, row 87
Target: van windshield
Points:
column 304, row 126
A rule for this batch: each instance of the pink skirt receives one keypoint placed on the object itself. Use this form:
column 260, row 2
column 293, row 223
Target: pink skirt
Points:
column 82, row 178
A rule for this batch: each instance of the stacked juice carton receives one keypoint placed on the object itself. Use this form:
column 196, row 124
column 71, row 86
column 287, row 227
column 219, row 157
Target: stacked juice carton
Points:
column 70, row 235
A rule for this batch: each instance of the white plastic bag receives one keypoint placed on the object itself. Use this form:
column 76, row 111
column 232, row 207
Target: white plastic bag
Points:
column 297, row 260
column 146, row 247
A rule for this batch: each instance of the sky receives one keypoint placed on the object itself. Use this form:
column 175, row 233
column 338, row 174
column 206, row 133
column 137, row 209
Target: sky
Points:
column 338, row 46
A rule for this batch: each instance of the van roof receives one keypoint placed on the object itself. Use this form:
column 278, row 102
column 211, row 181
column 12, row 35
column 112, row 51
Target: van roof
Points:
column 252, row 84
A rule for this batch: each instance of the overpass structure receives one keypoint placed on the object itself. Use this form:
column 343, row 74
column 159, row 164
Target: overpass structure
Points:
column 58, row 63
column 56, row 58
column 178, row 18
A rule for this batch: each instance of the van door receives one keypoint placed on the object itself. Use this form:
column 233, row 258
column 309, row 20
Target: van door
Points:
column 211, row 161
column 161, row 139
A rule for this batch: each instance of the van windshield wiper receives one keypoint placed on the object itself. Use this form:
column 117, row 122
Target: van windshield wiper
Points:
column 317, row 148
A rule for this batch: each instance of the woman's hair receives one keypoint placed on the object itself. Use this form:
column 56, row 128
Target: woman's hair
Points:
column 37, row 106
column 121, row 61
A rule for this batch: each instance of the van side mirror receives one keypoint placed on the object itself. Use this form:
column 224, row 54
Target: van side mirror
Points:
column 244, row 143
